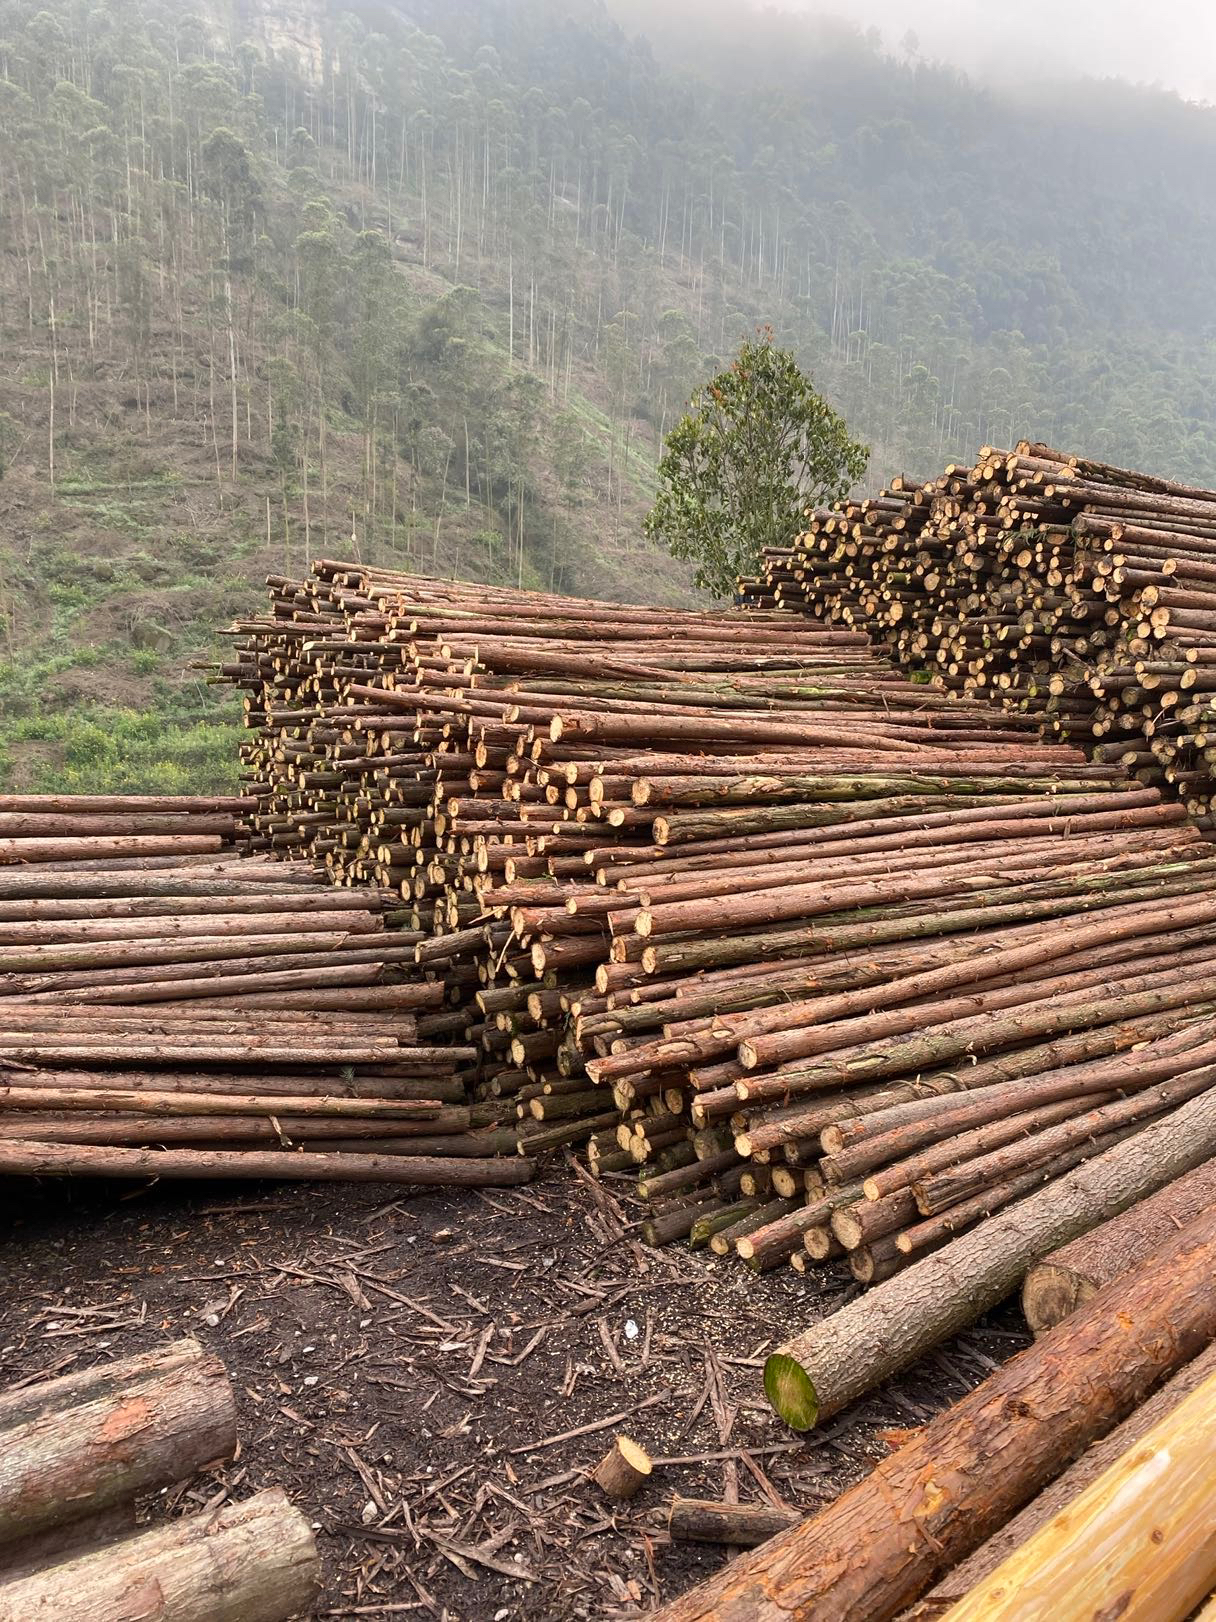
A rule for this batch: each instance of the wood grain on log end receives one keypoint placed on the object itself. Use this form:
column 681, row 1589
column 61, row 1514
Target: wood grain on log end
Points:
column 1050, row 1293
column 788, row 1387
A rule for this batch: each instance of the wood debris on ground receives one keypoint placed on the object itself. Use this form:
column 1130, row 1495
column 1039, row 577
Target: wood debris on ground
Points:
column 429, row 1377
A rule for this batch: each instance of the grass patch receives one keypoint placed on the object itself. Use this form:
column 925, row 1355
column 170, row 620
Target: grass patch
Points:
column 99, row 750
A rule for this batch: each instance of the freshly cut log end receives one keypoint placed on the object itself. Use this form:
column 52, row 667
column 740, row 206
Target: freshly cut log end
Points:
column 1066, row 1279
column 788, row 1387
column 623, row 1469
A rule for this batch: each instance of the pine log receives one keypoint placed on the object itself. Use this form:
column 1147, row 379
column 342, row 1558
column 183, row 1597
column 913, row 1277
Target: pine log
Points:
column 86, row 805
column 78, row 1445
column 1063, row 1490
column 1138, row 1543
column 109, row 848
column 66, row 1542
column 1059, row 1283
column 32, row 1158
column 833, row 1363
column 739, row 1526
column 938, row 1192
column 250, row 1562
column 929, row 1504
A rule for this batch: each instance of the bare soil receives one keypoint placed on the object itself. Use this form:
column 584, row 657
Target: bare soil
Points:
column 431, row 1376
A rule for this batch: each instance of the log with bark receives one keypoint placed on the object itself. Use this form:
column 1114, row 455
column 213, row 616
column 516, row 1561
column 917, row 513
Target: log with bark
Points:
column 1059, row 1283
column 1063, row 1490
column 739, row 1526
column 1136, row 1543
column 83, row 1443
column 1079, row 594
column 830, row 1365
column 250, row 1562
column 284, row 1011
column 721, row 864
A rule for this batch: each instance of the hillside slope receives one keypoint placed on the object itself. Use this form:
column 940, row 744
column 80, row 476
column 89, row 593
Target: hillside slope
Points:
column 427, row 282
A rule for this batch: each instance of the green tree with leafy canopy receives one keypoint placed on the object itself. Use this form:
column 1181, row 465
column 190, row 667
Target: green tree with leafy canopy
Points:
column 757, row 448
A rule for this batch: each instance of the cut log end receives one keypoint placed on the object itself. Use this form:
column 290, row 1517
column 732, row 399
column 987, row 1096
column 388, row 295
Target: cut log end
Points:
column 788, row 1387
column 623, row 1469
column 1051, row 1293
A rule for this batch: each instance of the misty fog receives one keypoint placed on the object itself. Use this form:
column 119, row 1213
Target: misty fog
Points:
column 1171, row 43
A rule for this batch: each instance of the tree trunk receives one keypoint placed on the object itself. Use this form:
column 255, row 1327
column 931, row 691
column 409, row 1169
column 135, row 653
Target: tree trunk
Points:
column 111, row 848
column 1063, row 1490
column 1137, row 1544
column 75, row 1446
column 66, row 1542
column 938, row 1192
column 1061, row 1282
column 24, row 1157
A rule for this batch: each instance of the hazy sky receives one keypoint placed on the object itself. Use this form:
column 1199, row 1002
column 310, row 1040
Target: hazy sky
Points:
column 1166, row 42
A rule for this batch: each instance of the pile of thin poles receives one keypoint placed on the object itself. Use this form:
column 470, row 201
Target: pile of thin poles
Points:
column 1070, row 590
column 835, row 961
column 170, row 1008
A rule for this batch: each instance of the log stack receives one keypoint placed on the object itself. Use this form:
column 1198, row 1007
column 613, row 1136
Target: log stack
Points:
column 79, row 1451
column 839, row 963
column 170, row 1008
column 1070, row 590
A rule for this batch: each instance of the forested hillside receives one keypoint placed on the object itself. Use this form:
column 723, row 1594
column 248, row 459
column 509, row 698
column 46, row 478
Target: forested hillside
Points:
column 427, row 282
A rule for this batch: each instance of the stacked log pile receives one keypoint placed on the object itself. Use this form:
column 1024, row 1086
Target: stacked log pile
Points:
column 836, row 962
column 169, row 1008
column 78, row 1452
column 1079, row 593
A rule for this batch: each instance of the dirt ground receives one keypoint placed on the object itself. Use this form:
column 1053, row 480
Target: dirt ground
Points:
column 432, row 1375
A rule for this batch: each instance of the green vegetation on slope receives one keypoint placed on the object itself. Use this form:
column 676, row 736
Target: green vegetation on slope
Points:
column 429, row 282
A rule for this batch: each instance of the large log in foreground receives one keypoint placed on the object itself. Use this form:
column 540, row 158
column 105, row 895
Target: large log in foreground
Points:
column 250, row 1562
column 85, row 1442
column 822, row 1371
column 1137, row 1544
column 928, row 1505
column 980, row 1564
column 75, row 1452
